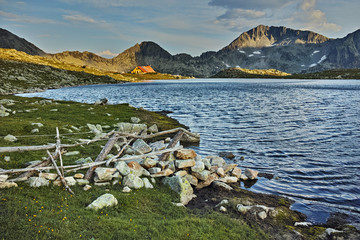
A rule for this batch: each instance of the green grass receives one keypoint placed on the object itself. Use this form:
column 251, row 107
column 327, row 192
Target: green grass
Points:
column 52, row 213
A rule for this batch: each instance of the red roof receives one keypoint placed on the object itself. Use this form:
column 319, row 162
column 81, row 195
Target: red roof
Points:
column 146, row 69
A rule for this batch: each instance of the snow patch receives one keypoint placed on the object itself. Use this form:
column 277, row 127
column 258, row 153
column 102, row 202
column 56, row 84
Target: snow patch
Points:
column 323, row 58
column 315, row 52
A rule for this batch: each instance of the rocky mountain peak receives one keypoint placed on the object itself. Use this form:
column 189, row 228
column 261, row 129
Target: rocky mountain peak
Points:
column 265, row 36
column 11, row 41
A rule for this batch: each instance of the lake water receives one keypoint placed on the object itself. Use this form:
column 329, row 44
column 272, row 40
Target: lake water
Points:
column 305, row 132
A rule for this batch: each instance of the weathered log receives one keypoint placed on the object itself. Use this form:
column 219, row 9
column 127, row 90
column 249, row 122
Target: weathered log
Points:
column 58, row 150
column 28, row 173
column 102, row 155
column 119, row 153
column 175, row 130
column 172, row 144
column 59, row 173
column 93, row 164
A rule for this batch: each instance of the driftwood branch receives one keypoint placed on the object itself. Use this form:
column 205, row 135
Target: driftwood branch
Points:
column 93, row 164
column 119, row 153
column 59, row 173
column 172, row 144
column 102, row 155
column 58, row 150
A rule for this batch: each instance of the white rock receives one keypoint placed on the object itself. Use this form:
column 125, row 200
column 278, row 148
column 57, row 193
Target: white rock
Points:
column 141, row 146
column 228, row 179
column 10, row 138
column 303, row 224
column 154, row 170
column 123, row 168
column 70, row 181
column 181, row 186
column 3, row 177
column 134, row 120
column 37, row 124
column 105, row 200
column 243, row 209
column 126, row 189
column 251, row 174
column 48, row 176
column 35, row 130
column 223, row 202
column 199, row 167
column 82, row 182
column 7, row 159
column 262, row 215
column 330, row 231
column 38, row 182
column 86, row 187
column 223, row 185
column 222, row 209
column 133, row 181
column 153, row 128
column 147, row 183
column 104, row 174
column 7, row 184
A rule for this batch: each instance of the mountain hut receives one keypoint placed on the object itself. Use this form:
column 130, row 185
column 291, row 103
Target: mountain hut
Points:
column 143, row 69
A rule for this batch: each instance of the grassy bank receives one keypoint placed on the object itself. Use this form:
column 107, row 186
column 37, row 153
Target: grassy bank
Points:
column 52, row 213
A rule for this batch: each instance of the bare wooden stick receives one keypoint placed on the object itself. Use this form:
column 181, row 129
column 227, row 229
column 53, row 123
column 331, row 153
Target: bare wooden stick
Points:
column 58, row 150
column 52, row 146
column 93, row 164
column 172, row 144
column 32, row 169
column 119, row 153
column 59, row 173
column 105, row 151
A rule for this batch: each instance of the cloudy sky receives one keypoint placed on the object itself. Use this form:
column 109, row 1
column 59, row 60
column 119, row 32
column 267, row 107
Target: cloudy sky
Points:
column 108, row 27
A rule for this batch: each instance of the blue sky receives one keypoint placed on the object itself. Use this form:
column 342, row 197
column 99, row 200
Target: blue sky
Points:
column 112, row 26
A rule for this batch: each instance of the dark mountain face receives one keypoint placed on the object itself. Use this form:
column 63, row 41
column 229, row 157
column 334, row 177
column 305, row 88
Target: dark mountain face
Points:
column 9, row 40
column 263, row 47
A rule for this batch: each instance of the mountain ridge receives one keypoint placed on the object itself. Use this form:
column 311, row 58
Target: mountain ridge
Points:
column 263, row 47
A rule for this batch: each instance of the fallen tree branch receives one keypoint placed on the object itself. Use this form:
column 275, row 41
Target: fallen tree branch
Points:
column 172, row 144
column 93, row 164
column 59, row 173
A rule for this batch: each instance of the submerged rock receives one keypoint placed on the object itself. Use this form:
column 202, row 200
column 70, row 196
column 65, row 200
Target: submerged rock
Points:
column 251, row 174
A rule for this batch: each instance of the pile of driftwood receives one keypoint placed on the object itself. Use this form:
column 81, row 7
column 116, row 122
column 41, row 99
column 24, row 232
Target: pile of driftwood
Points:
column 112, row 136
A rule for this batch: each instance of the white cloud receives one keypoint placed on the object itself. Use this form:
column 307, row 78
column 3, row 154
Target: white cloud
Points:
column 24, row 19
column 79, row 18
column 107, row 53
column 238, row 13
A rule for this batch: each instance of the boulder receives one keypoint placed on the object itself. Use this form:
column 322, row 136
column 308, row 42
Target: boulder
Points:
column 171, row 166
column 181, row 173
column 262, row 215
column 181, row 186
column 105, row 200
column 162, row 164
column 7, row 185
column 207, row 163
column 229, row 167
column 48, row 176
column 222, row 209
column 135, row 168
column 135, row 120
column 10, row 138
column 212, row 177
column 185, row 154
column 97, row 130
column 35, row 130
column 216, row 161
column 251, row 174
column 37, row 182
column 220, row 172
column 123, row 168
column 141, row 146
column 192, row 180
column 147, row 183
column 236, row 172
column 149, row 163
column 202, row 175
column 70, row 181
column 126, row 189
column 153, row 129
column 133, row 181
column 104, row 174
column 82, row 182
column 243, row 209
column 86, row 187
column 243, row 177
column 79, row 176
column 131, row 128
column 199, row 167
column 39, row 125
column 157, row 146
column 184, row 163
column 164, row 173
column 228, row 155
column 154, row 170
column 228, row 179
column 222, row 185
